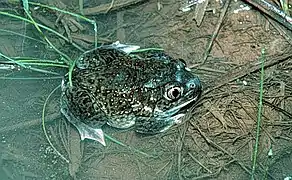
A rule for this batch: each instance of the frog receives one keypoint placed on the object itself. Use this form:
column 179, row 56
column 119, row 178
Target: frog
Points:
column 125, row 88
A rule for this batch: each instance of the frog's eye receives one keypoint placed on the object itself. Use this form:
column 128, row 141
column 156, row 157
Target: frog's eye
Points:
column 183, row 61
column 174, row 93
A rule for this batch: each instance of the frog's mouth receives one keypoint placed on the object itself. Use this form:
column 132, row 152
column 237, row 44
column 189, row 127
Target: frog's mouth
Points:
column 164, row 119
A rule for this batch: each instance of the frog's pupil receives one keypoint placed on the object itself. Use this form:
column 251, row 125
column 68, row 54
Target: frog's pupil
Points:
column 175, row 93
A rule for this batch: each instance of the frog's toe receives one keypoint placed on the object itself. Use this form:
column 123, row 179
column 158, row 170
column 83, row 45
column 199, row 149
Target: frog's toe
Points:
column 85, row 131
column 124, row 47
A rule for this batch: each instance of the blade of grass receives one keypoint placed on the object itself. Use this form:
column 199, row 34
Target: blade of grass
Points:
column 44, row 127
column 43, row 71
column 25, row 5
column 45, row 64
column 22, row 35
column 27, row 60
column 32, row 59
column 26, row 9
column 70, row 72
column 42, row 26
column 12, row 60
column 74, row 15
column 23, row 65
column 28, row 63
column 259, row 117
column 31, row 78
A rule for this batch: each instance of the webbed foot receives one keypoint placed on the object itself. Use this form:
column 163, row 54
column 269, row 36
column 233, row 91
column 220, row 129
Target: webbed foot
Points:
column 85, row 131
column 124, row 47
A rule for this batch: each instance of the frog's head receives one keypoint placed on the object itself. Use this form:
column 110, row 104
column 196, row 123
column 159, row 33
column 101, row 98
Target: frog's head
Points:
column 168, row 94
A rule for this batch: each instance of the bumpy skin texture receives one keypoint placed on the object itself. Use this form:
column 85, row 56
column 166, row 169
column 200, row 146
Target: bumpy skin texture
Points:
column 141, row 90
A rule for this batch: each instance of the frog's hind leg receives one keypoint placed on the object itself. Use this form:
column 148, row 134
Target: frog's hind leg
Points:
column 85, row 131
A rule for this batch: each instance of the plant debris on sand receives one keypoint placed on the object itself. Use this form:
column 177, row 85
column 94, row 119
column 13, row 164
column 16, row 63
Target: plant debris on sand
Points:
column 221, row 43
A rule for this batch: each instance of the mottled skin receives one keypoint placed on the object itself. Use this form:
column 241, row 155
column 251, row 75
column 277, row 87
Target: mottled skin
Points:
column 145, row 91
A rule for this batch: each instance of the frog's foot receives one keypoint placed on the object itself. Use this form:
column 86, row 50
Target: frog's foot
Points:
column 87, row 132
column 124, row 47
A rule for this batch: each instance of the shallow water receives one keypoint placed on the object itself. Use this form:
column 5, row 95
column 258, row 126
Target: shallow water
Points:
column 215, row 142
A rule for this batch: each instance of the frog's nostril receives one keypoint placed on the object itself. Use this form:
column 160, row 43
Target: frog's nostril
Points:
column 192, row 85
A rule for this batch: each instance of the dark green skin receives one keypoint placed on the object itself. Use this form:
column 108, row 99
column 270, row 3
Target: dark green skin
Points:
column 122, row 90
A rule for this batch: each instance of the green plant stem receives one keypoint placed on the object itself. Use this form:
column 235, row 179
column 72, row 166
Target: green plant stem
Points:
column 259, row 117
column 71, row 67
column 31, row 59
column 44, row 127
column 74, row 15
column 31, row 78
column 45, row 37
column 45, row 64
column 43, row 71
column 39, row 62
column 42, row 26
column 27, row 65
column 12, row 60
column 22, row 35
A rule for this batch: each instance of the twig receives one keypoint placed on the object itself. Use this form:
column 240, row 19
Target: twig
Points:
column 111, row 6
column 282, row 30
column 273, row 12
column 197, row 161
column 283, row 111
column 246, row 69
column 220, row 148
column 105, row 7
column 215, row 33
column 182, row 136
